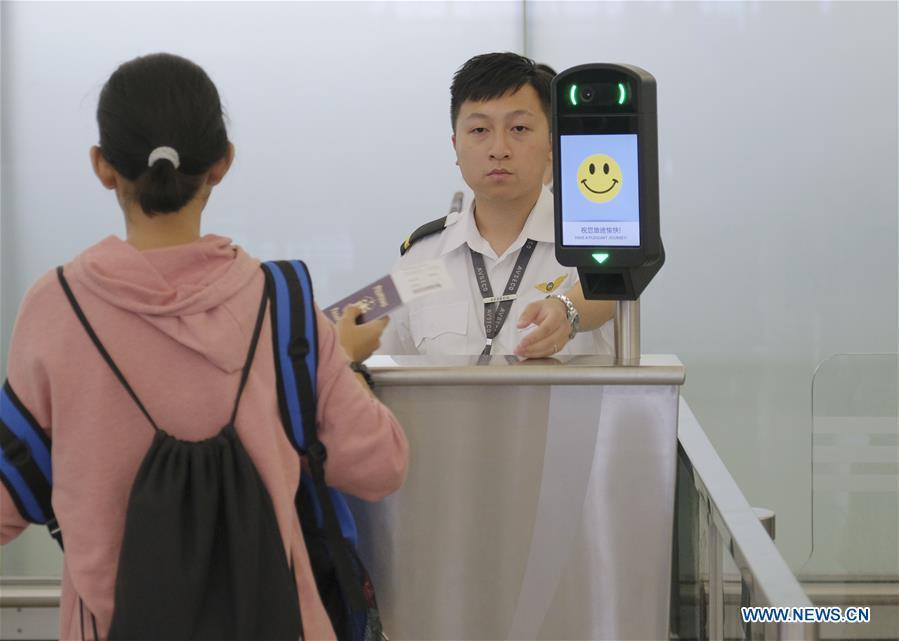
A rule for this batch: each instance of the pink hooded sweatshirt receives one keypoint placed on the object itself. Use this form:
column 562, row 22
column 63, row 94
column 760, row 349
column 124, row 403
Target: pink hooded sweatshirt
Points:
column 178, row 322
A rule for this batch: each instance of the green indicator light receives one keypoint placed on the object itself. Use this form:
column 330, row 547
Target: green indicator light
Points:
column 600, row 258
column 573, row 95
column 622, row 93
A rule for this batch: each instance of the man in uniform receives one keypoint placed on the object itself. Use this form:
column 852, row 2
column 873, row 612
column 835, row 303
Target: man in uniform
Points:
column 511, row 296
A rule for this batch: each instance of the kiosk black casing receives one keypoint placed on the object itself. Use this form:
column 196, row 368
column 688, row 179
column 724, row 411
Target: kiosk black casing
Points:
column 627, row 270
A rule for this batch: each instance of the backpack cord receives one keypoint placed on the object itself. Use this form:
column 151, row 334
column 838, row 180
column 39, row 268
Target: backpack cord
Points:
column 96, row 340
column 251, row 353
column 93, row 620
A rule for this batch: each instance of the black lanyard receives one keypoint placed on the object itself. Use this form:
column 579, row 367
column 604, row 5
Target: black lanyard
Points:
column 496, row 308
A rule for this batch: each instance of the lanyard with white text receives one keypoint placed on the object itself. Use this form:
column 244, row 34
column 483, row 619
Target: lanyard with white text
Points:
column 496, row 308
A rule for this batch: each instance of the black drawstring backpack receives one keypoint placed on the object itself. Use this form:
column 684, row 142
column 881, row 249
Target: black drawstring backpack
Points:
column 202, row 556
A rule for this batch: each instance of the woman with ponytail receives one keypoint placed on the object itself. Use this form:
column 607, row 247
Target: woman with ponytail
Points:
column 183, row 332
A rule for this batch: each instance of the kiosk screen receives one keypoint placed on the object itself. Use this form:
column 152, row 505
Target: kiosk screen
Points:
column 600, row 196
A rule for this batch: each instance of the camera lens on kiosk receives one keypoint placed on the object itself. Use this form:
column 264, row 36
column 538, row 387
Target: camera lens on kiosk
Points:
column 587, row 94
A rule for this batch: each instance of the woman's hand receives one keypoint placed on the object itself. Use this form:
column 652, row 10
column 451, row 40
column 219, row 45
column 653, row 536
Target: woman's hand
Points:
column 359, row 341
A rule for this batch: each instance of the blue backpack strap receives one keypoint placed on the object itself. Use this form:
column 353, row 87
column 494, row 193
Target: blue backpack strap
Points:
column 295, row 342
column 25, row 467
column 295, row 345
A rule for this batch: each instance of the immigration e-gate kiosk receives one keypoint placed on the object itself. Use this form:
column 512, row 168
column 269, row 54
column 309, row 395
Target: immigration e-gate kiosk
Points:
column 606, row 171
column 540, row 497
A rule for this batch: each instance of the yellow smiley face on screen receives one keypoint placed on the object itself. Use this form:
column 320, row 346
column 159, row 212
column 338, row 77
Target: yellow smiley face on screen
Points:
column 599, row 178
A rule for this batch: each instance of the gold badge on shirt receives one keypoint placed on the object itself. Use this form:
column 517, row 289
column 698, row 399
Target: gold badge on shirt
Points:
column 551, row 286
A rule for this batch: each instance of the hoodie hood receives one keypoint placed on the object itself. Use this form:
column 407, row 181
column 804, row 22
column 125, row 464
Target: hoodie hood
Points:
column 186, row 291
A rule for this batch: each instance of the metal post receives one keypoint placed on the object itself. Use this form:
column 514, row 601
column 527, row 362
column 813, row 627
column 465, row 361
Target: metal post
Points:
column 766, row 518
column 627, row 332
column 716, row 583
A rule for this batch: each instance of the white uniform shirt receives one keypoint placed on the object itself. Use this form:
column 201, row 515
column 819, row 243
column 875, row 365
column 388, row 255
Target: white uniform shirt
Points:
column 452, row 321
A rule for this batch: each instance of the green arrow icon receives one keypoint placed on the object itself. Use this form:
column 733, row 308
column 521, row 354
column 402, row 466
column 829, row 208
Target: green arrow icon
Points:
column 600, row 258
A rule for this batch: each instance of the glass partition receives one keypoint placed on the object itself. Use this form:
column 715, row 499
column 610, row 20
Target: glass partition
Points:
column 855, row 490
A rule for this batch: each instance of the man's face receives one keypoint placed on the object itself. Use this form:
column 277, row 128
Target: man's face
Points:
column 502, row 145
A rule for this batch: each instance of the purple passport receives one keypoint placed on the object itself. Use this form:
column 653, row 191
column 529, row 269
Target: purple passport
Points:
column 376, row 300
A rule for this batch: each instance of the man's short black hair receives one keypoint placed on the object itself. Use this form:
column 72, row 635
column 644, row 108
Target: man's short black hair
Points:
column 542, row 66
column 492, row 75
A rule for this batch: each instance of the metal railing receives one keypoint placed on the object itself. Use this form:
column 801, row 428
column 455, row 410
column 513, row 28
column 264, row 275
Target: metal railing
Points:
column 723, row 557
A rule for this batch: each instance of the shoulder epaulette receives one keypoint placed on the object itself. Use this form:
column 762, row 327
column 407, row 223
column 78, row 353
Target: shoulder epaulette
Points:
column 428, row 229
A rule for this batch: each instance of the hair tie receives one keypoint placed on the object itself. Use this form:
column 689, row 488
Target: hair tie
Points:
column 166, row 153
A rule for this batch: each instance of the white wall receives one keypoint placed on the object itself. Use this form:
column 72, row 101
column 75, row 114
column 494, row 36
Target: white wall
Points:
column 778, row 150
